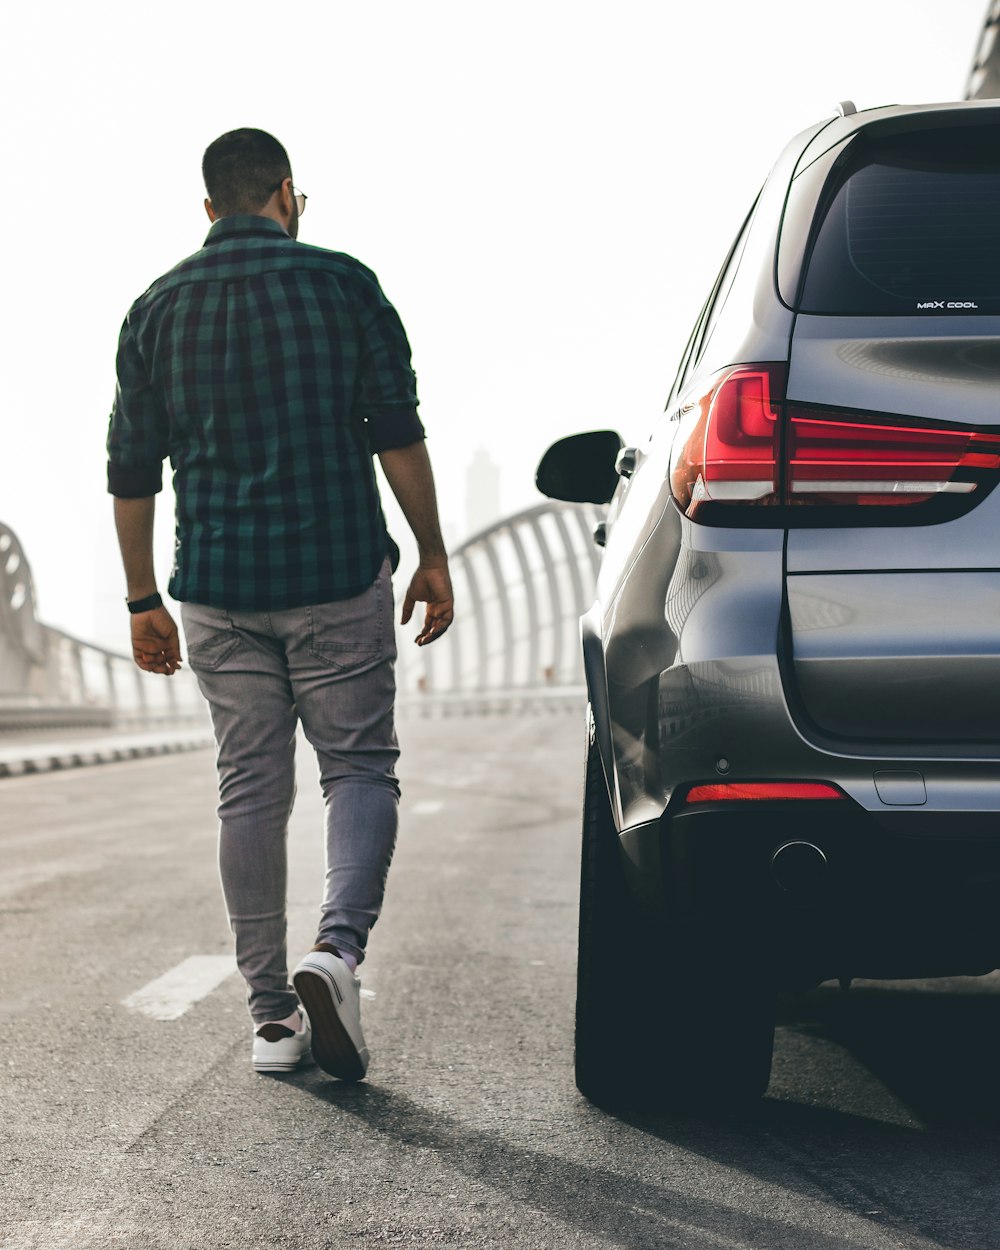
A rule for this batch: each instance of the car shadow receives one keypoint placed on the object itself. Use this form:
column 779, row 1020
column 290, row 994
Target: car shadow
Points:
column 933, row 1045
column 928, row 1172
column 885, row 1101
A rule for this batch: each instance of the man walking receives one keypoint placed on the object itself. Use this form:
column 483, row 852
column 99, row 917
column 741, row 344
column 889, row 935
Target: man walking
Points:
column 269, row 372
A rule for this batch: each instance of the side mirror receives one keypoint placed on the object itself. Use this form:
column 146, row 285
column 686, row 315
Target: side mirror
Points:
column 581, row 468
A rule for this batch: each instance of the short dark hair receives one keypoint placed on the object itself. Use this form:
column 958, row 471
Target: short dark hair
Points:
column 241, row 170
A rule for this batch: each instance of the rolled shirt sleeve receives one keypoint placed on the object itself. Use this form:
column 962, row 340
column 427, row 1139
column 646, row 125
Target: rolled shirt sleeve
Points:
column 137, row 429
column 386, row 397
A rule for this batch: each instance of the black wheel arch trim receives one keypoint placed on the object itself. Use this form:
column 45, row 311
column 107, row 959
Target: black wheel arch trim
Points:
column 596, row 678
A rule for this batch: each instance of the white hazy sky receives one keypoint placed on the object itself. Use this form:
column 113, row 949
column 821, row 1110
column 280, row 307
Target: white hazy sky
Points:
column 544, row 189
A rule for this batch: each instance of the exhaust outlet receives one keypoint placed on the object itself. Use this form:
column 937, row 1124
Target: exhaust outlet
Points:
column 799, row 867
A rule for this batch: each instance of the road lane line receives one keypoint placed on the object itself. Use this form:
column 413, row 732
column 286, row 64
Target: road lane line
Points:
column 169, row 996
column 426, row 807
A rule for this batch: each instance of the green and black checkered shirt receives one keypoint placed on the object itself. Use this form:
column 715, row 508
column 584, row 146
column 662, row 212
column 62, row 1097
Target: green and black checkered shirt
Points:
column 268, row 371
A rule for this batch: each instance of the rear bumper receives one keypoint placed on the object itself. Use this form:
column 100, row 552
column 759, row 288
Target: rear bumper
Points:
column 916, row 896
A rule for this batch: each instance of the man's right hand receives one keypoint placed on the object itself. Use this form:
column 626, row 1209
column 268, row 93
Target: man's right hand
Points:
column 431, row 584
column 156, row 644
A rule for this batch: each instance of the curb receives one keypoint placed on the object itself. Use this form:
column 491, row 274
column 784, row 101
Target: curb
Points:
column 49, row 760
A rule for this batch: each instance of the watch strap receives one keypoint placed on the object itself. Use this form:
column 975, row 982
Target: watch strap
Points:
column 135, row 606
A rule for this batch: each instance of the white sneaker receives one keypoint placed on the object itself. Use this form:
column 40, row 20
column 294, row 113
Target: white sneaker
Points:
column 331, row 993
column 285, row 1054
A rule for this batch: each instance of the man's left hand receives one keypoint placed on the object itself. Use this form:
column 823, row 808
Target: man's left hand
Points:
column 156, row 645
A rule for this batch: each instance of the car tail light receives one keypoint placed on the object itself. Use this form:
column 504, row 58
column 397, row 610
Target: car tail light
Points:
column 741, row 791
column 727, row 447
column 741, row 443
column 866, row 461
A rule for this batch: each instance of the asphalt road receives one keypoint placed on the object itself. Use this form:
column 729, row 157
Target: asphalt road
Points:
column 120, row 1130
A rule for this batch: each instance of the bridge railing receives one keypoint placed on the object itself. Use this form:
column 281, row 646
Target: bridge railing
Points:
column 49, row 678
column 77, row 683
column 984, row 75
column 521, row 587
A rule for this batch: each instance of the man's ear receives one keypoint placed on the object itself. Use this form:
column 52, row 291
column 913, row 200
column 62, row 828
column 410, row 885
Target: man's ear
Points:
column 210, row 210
column 285, row 198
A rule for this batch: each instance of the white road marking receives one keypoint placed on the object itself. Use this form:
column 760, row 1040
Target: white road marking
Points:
column 369, row 994
column 427, row 807
column 169, row 996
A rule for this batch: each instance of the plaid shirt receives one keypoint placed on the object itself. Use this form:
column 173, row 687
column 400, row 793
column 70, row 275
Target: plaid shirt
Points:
column 268, row 371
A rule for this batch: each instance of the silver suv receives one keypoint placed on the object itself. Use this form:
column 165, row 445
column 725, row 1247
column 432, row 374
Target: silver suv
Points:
column 793, row 660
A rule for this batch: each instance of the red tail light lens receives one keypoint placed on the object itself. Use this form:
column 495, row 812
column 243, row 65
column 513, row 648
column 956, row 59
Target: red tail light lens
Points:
column 841, row 461
column 741, row 444
column 742, row 791
column 727, row 447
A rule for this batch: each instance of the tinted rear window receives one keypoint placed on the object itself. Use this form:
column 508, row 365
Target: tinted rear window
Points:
column 914, row 227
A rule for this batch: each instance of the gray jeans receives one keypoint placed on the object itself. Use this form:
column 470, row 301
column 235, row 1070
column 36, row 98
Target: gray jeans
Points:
column 329, row 665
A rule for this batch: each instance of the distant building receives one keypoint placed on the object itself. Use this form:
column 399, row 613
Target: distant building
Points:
column 482, row 492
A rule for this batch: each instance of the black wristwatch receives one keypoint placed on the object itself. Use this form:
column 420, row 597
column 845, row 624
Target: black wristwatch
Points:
column 135, row 606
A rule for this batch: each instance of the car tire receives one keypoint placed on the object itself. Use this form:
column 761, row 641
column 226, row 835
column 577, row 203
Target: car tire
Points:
column 662, row 1018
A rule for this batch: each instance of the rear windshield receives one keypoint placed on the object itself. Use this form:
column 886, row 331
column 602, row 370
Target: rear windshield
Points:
column 913, row 228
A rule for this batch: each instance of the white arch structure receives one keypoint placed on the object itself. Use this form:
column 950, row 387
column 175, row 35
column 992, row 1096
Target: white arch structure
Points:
column 48, row 677
column 521, row 587
column 984, row 77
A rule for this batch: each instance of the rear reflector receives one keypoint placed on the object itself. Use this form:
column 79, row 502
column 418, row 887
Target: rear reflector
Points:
column 729, row 450
column 741, row 791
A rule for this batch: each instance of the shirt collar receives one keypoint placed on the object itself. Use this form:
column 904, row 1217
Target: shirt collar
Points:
column 245, row 227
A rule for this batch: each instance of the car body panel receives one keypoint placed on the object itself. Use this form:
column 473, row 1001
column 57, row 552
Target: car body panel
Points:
column 942, row 368
column 898, row 656
column 747, row 321
column 967, row 542
column 862, row 652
